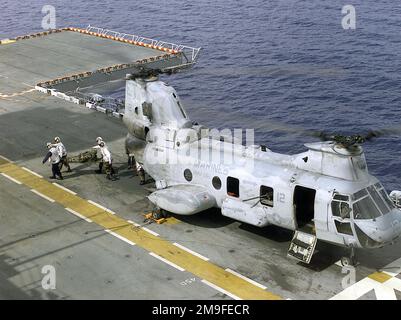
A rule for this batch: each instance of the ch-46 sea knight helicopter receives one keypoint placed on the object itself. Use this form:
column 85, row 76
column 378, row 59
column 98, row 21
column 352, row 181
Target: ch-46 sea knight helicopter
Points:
column 325, row 193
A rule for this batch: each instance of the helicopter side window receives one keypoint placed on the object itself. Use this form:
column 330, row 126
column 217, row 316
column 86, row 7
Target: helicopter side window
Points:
column 147, row 110
column 266, row 196
column 216, row 182
column 233, row 187
column 340, row 206
column 343, row 227
column 188, row 175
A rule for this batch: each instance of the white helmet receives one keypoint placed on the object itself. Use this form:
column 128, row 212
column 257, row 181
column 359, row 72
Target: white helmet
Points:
column 99, row 139
column 57, row 140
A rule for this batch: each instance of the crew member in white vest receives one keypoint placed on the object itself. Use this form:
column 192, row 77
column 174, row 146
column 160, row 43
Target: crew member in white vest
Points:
column 54, row 158
column 63, row 153
column 107, row 160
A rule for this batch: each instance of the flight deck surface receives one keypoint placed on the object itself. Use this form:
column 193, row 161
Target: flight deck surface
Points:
column 87, row 227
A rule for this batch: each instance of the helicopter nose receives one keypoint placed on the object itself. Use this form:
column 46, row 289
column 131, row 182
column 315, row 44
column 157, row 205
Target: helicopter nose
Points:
column 380, row 231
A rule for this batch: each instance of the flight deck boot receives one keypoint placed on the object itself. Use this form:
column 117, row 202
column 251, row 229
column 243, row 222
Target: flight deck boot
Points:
column 141, row 174
column 100, row 168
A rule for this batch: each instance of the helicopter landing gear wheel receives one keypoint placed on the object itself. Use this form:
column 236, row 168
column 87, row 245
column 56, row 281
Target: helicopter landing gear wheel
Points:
column 351, row 260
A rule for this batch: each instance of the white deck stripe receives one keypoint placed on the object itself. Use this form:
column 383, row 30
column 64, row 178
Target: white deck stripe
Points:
column 120, row 237
column 166, row 261
column 394, row 268
column 64, row 188
column 78, row 215
column 101, row 207
column 190, row 251
column 246, row 279
column 10, row 178
column 150, row 231
column 42, row 195
column 221, row 290
column 34, row 173
column 383, row 291
column 6, row 159
column 134, row 223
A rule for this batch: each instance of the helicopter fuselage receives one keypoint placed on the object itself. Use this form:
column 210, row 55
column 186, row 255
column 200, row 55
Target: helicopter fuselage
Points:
column 326, row 191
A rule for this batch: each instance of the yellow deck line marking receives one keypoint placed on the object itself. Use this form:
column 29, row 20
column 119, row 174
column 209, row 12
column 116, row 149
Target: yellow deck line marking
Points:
column 16, row 94
column 247, row 279
column 171, row 220
column 380, row 277
column 190, row 251
column 42, row 195
column 9, row 178
column 120, row 237
column 64, row 188
column 166, row 261
column 221, row 290
column 213, row 274
column 78, row 215
column 34, row 173
column 7, row 41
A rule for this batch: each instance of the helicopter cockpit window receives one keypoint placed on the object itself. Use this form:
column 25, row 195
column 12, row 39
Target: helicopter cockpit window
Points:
column 365, row 209
column 266, row 196
column 385, row 196
column 340, row 206
column 359, row 194
column 378, row 200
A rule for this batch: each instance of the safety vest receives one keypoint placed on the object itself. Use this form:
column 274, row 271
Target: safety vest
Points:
column 55, row 157
column 106, row 154
column 61, row 149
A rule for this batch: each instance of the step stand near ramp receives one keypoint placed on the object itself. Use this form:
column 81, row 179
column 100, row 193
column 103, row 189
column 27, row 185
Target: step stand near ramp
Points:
column 302, row 246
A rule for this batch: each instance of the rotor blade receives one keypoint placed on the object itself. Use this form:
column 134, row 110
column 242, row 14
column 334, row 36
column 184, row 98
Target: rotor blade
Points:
column 290, row 128
column 391, row 131
column 270, row 71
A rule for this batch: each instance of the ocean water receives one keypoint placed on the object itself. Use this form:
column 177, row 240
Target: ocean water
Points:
column 264, row 62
